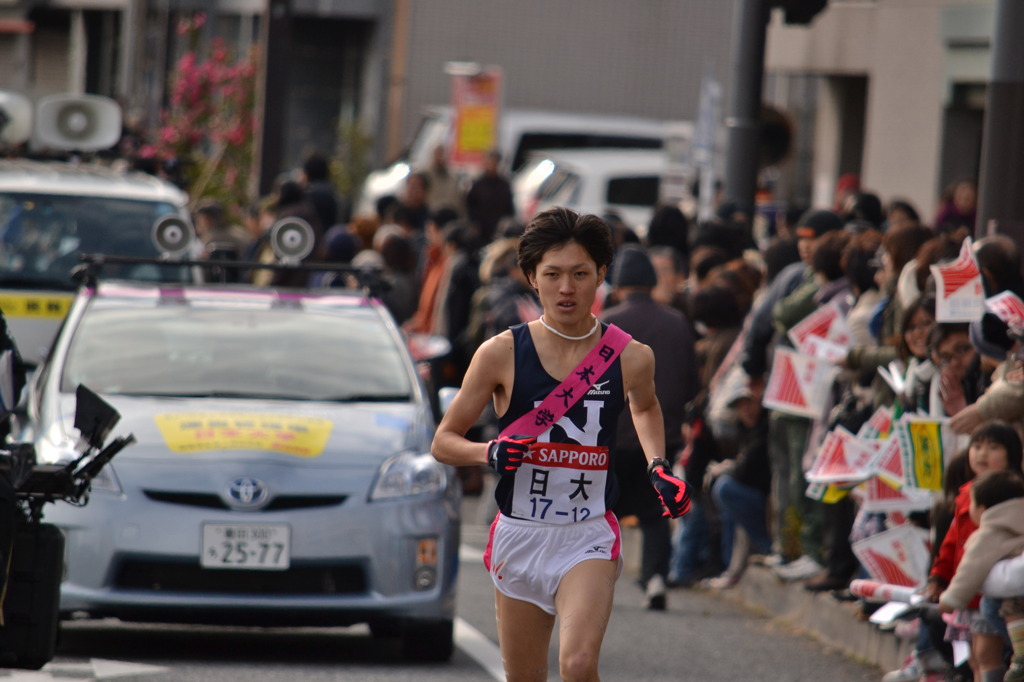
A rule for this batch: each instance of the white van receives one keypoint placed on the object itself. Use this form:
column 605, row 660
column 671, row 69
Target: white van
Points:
column 522, row 131
column 624, row 181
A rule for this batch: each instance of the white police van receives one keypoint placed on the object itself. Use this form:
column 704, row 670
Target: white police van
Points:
column 521, row 132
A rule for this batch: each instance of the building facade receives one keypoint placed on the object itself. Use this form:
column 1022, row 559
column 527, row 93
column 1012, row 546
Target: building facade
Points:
column 892, row 90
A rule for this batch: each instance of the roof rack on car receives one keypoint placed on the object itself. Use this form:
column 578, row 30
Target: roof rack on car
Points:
column 367, row 279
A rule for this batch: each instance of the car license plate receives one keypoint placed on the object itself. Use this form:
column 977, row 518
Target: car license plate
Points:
column 246, row 546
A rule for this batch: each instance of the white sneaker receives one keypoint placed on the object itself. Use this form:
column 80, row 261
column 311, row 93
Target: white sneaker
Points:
column 917, row 667
column 654, row 597
column 798, row 569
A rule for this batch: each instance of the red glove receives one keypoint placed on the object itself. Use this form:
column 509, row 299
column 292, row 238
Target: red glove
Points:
column 675, row 496
column 505, row 454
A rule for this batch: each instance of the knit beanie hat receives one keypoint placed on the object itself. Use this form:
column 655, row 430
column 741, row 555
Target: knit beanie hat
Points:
column 815, row 223
column 989, row 337
column 633, row 269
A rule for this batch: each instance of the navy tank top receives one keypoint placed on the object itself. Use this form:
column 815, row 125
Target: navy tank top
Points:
column 568, row 475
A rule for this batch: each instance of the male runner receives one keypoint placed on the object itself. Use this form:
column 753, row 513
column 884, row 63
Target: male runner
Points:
column 554, row 546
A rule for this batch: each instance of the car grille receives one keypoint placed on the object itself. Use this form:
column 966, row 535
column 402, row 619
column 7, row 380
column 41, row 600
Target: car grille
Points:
column 213, row 501
column 162, row 576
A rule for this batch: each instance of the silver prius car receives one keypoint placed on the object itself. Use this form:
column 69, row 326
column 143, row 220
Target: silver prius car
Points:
column 282, row 473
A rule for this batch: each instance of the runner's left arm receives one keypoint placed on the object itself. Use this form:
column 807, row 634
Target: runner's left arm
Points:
column 638, row 372
column 638, row 368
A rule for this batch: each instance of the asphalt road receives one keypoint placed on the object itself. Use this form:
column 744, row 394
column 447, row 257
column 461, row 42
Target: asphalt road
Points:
column 700, row 638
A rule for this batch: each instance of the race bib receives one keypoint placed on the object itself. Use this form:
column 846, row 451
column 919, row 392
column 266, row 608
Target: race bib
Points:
column 561, row 483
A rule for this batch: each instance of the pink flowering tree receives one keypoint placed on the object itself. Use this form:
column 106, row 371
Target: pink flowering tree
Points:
column 211, row 121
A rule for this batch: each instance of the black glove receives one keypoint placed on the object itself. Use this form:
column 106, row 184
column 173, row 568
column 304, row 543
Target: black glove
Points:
column 505, row 454
column 674, row 494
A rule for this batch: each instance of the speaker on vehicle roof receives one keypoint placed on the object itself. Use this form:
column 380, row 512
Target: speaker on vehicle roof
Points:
column 173, row 235
column 291, row 239
column 78, row 122
column 15, row 118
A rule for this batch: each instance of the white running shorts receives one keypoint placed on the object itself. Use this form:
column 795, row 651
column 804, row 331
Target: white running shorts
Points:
column 527, row 559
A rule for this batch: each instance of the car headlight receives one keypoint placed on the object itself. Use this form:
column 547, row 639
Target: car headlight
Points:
column 56, row 448
column 408, row 474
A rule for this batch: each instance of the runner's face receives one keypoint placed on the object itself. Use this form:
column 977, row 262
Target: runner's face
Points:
column 566, row 279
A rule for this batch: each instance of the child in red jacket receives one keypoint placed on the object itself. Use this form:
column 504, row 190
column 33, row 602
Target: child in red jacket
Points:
column 994, row 445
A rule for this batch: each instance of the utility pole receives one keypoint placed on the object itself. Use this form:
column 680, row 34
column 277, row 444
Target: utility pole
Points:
column 397, row 77
column 743, row 124
column 275, row 93
column 1001, row 201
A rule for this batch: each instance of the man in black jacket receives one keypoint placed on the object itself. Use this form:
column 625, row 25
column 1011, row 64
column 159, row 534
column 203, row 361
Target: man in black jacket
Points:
column 670, row 336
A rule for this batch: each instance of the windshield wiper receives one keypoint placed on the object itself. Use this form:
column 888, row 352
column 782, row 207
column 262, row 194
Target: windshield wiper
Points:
column 247, row 395
column 370, row 398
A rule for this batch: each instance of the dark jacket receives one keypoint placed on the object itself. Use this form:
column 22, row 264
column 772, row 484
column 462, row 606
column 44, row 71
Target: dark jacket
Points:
column 488, row 201
column 668, row 333
column 761, row 330
column 753, row 468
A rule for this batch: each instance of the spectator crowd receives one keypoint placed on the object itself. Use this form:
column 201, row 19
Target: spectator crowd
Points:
column 820, row 400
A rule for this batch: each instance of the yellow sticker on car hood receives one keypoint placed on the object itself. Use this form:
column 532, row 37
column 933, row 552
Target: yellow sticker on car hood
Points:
column 54, row 306
column 203, row 431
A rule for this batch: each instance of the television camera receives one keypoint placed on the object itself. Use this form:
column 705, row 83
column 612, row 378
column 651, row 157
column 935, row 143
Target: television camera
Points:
column 33, row 551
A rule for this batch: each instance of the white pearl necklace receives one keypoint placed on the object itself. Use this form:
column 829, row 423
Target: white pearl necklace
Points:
column 566, row 336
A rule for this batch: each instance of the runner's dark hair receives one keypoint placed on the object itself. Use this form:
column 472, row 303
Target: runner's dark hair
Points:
column 560, row 226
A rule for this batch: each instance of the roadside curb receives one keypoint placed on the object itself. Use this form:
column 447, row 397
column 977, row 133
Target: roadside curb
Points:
column 834, row 623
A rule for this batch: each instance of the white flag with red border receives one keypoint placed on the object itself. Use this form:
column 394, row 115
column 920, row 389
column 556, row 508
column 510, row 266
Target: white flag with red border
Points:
column 959, row 295
column 887, row 492
column 1008, row 307
column 843, row 457
column 799, row 384
column 899, row 555
column 828, row 323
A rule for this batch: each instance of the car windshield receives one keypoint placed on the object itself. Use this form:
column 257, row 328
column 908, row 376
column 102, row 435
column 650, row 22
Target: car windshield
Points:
column 267, row 353
column 633, row 191
column 43, row 235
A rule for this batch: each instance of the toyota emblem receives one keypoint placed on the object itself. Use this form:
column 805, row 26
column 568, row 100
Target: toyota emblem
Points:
column 248, row 493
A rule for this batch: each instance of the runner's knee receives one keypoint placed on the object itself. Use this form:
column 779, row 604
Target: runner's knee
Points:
column 578, row 665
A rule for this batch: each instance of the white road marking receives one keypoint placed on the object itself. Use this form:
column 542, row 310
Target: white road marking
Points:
column 479, row 648
column 96, row 669
column 470, row 555
column 108, row 670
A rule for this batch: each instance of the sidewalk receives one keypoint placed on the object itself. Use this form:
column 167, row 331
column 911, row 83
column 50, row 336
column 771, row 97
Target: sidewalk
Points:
column 832, row 622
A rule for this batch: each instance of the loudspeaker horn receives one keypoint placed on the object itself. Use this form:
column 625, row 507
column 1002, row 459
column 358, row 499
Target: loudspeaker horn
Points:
column 173, row 235
column 291, row 239
column 777, row 135
column 78, row 122
column 15, row 118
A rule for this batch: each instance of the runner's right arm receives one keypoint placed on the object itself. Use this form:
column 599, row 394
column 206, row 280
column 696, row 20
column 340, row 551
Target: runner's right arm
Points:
column 488, row 372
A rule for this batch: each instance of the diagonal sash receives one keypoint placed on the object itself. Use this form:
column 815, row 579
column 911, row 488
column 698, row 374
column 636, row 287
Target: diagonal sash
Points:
column 573, row 387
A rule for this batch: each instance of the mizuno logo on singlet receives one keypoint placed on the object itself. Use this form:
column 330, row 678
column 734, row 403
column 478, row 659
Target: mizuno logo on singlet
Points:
column 598, row 388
